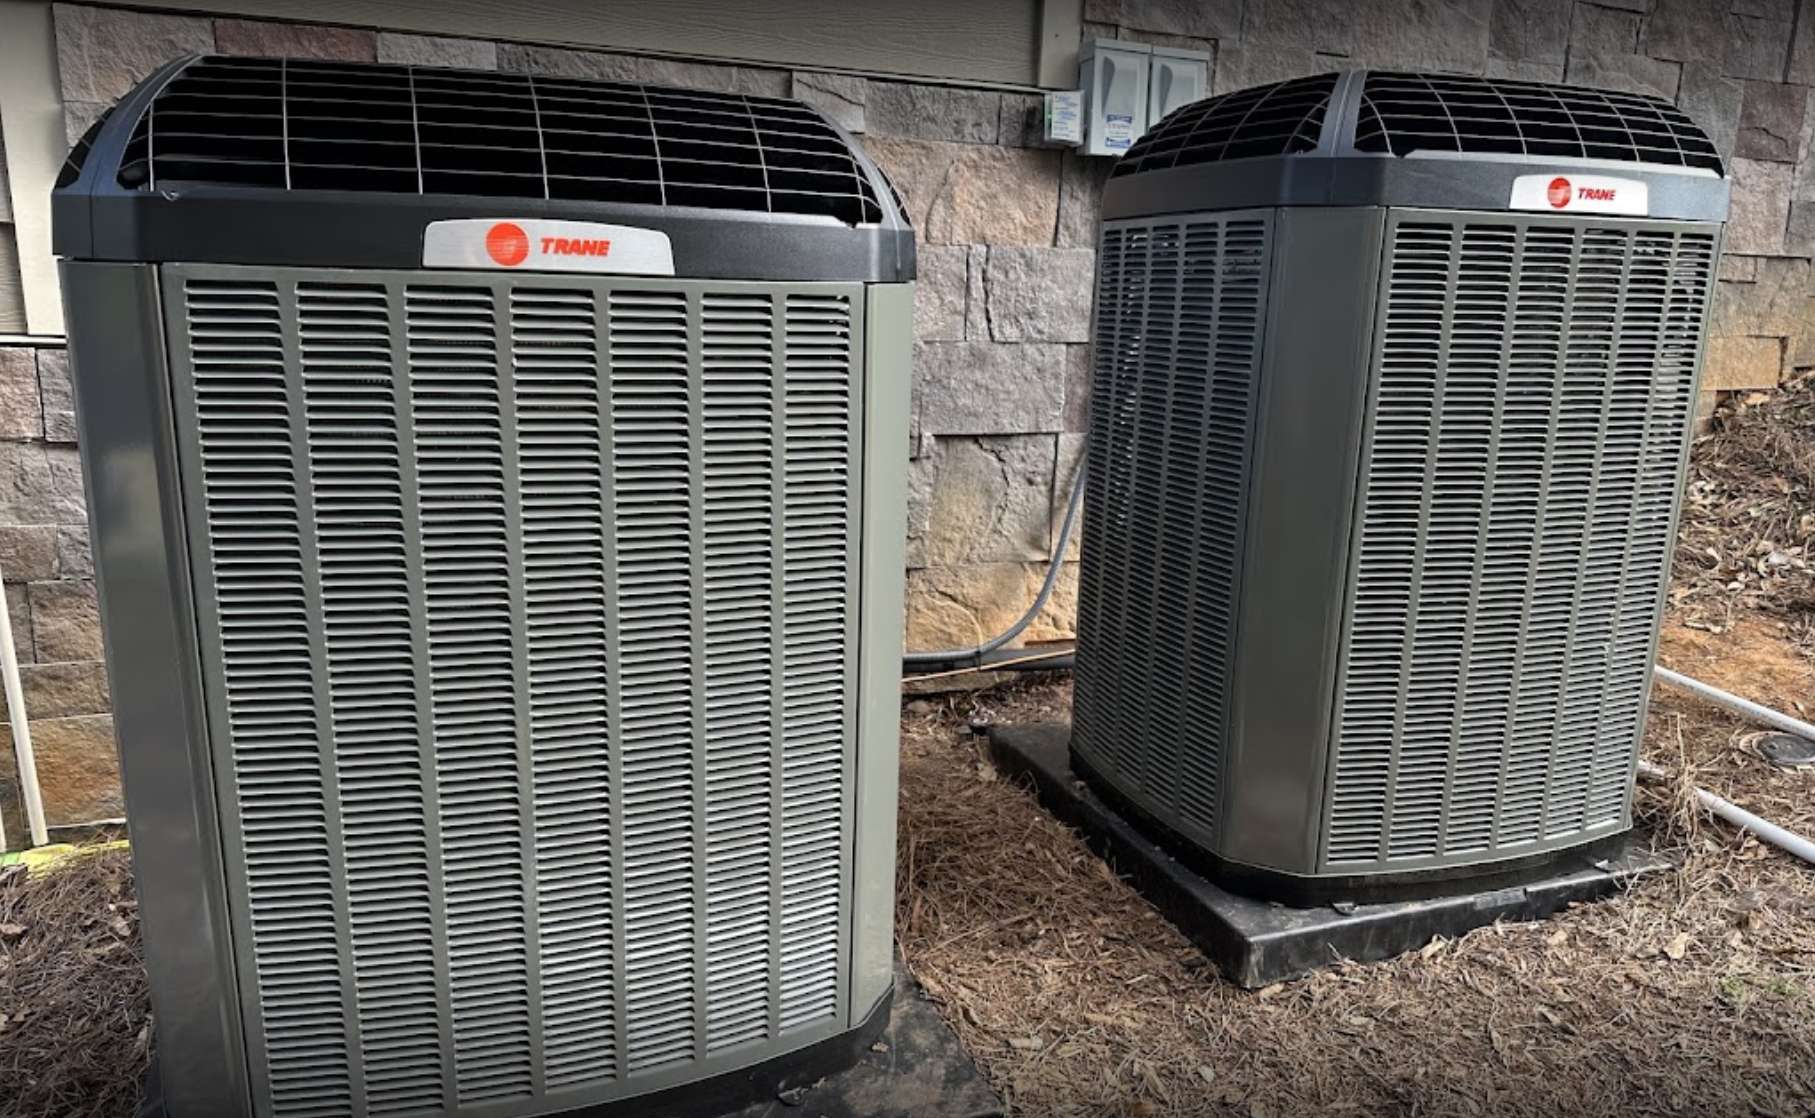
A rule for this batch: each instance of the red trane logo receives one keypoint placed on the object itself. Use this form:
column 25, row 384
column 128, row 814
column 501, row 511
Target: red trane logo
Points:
column 507, row 243
column 575, row 246
column 1559, row 192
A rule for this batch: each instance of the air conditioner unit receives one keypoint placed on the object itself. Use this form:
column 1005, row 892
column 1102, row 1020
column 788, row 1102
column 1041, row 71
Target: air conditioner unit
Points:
column 1393, row 391
column 498, row 519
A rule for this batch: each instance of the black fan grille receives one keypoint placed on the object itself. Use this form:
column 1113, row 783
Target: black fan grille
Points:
column 1404, row 113
column 301, row 125
column 1266, row 120
column 78, row 152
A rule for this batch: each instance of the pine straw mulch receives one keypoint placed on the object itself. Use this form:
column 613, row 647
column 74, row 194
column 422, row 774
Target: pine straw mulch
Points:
column 1749, row 515
column 75, row 1018
column 1692, row 994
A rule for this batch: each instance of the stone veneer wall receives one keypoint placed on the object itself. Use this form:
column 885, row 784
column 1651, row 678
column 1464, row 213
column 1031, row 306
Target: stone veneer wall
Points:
column 1006, row 263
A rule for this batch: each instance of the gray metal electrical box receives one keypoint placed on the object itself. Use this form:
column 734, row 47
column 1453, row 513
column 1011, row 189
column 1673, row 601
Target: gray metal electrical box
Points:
column 1175, row 78
column 1113, row 77
column 498, row 516
column 1393, row 392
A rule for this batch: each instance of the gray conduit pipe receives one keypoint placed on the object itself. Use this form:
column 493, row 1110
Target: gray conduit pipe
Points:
column 1784, row 839
column 974, row 657
column 1734, row 703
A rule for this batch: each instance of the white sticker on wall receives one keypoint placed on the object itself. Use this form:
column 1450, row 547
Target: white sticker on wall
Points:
column 1599, row 194
column 539, row 245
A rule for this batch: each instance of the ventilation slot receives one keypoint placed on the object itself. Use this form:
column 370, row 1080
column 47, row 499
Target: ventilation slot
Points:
column 560, row 466
column 816, row 580
column 458, row 424
column 650, row 402
column 354, row 473
column 1406, row 113
column 737, row 362
column 252, row 502
column 1179, row 316
column 1278, row 119
column 306, row 125
column 1533, row 383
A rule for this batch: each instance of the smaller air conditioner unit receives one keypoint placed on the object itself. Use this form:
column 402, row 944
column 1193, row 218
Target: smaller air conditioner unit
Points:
column 1393, row 392
column 498, row 515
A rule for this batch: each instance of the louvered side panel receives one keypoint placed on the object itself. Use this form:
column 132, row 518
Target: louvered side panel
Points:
column 533, row 683
column 250, row 496
column 1533, row 388
column 1095, row 727
column 559, row 416
column 738, row 396
column 1180, row 308
column 356, row 479
column 649, row 357
column 453, row 352
column 818, row 341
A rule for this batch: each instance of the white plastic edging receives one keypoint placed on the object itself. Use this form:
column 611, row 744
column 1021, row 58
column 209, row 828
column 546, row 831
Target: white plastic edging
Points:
column 22, row 734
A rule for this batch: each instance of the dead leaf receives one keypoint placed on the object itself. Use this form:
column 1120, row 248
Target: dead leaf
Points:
column 11, row 931
column 1204, row 1071
column 1678, row 947
column 1025, row 1043
column 1557, row 938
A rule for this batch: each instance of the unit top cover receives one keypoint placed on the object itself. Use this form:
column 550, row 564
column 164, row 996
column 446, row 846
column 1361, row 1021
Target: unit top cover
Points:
column 290, row 161
column 1382, row 138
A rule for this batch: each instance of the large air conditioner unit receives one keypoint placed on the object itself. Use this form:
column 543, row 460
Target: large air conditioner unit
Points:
column 1393, row 391
column 498, row 512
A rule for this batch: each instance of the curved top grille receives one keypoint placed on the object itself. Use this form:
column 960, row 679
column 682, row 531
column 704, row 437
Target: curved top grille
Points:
column 1266, row 120
column 1404, row 113
column 302, row 125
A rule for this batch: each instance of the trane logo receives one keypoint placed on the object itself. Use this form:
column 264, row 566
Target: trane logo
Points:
column 575, row 246
column 1561, row 193
column 507, row 244
column 546, row 245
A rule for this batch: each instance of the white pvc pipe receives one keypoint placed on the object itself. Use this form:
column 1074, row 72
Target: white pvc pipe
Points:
column 1734, row 703
column 22, row 733
column 1780, row 837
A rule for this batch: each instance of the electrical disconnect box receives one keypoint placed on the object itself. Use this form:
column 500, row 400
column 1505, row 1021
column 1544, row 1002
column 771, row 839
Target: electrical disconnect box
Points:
column 1175, row 78
column 1127, row 88
column 1113, row 76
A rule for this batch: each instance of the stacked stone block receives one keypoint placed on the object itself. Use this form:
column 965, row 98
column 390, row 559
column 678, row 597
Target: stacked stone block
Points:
column 1007, row 244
